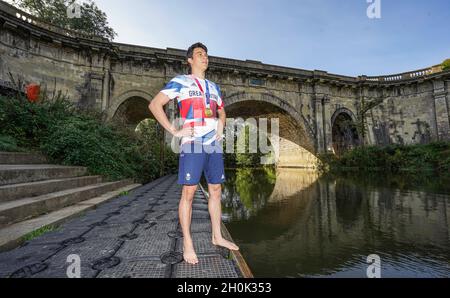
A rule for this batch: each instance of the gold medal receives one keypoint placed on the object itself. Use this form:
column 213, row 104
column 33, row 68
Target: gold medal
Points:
column 208, row 112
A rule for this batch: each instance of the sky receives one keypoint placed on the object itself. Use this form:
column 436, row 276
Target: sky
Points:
column 331, row 35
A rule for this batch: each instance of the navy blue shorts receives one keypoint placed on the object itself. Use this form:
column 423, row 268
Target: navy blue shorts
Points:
column 196, row 158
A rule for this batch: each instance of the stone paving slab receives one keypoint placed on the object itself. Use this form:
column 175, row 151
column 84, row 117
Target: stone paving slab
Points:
column 135, row 235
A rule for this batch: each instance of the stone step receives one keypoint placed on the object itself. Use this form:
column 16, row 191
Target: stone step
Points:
column 18, row 158
column 13, row 235
column 31, row 189
column 13, row 174
column 22, row 209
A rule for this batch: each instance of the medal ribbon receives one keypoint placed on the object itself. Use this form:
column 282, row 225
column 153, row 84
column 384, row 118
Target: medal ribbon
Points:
column 205, row 95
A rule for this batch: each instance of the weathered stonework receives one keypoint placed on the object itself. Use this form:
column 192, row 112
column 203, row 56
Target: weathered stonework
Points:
column 121, row 79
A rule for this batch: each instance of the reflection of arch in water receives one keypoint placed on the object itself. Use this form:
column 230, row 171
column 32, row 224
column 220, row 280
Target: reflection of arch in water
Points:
column 281, row 213
column 383, row 218
column 291, row 181
column 348, row 201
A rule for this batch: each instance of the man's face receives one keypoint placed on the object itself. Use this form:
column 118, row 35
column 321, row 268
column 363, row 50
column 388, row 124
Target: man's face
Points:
column 199, row 59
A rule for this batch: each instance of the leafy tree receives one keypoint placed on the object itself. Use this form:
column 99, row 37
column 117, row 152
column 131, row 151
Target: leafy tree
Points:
column 92, row 20
column 446, row 64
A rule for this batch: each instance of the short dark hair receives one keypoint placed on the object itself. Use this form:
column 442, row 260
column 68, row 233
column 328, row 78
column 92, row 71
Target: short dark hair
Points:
column 191, row 49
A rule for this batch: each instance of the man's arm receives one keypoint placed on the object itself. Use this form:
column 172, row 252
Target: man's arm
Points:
column 156, row 106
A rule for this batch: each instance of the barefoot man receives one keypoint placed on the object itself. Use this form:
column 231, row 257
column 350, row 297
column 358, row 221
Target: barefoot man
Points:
column 203, row 117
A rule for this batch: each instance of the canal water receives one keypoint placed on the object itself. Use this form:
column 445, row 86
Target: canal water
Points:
column 296, row 223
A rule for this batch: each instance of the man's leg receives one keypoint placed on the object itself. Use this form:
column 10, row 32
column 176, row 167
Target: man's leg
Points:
column 215, row 212
column 215, row 176
column 185, row 215
column 189, row 174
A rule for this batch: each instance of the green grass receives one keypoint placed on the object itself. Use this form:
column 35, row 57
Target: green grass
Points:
column 124, row 193
column 81, row 214
column 39, row 232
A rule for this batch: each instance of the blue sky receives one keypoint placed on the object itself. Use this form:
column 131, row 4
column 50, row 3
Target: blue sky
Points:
column 331, row 35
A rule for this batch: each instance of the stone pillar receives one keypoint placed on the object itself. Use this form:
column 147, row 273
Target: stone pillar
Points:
column 106, row 84
column 319, row 125
column 328, row 146
column 363, row 96
column 323, row 114
column 441, row 109
column 447, row 97
column 105, row 90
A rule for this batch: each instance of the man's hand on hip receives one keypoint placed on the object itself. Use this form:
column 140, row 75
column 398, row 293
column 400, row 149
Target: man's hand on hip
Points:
column 184, row 132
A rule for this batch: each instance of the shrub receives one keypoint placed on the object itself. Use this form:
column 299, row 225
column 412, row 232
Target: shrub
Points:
column 8, row 143
column 29, row 122
column 72, row 136
column 394, row 158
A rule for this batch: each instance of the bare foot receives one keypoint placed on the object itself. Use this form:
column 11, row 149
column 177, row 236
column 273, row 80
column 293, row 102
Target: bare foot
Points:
column 189, row 254
column 225, row 243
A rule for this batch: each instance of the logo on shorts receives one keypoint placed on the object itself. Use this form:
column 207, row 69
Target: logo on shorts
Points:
column 223, row 176
column 188, row 176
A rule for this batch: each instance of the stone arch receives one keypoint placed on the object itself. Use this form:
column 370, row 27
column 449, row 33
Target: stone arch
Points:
column 296, row 140
column 345, row 111
column 344, row 134
column 274, row 100
column 122, row 105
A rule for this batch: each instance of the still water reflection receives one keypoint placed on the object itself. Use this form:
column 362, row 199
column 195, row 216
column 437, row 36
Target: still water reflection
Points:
column 293, row 223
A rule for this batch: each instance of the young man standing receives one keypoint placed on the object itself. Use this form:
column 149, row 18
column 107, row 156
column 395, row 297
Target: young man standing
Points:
column 203, row 116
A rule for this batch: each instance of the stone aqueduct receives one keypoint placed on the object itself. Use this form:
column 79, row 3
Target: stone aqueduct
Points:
column 121, row 79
